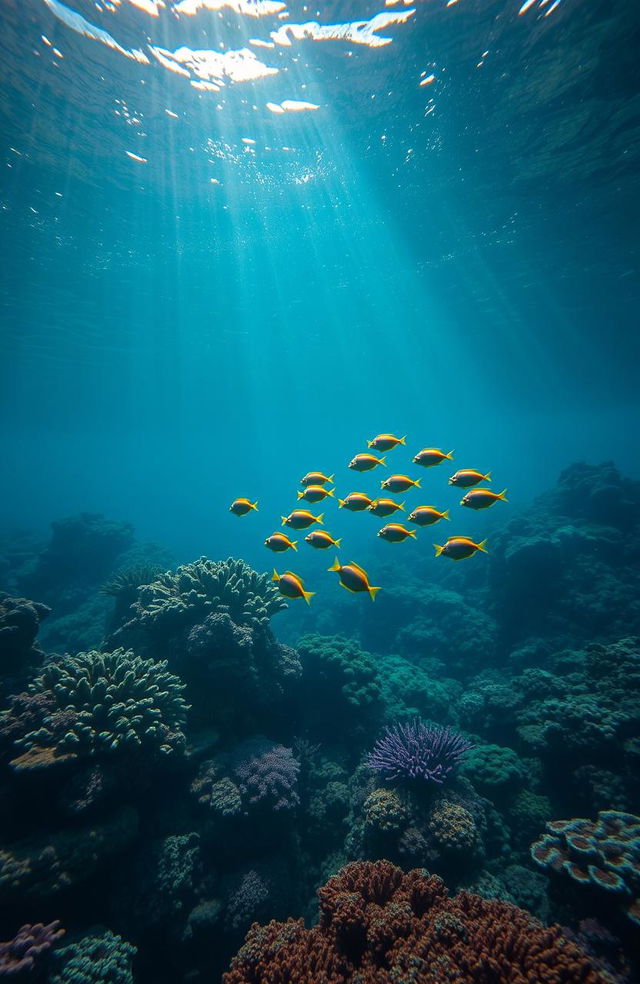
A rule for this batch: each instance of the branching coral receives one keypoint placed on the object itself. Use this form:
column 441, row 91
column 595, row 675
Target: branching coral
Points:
column 267, row 774
column 102, row 958
column 380, row 926
column 104, row 702
column 28, row 947
column 417, row 751
column 601, row 854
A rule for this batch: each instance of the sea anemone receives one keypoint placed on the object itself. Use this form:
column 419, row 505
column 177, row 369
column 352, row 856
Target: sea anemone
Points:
column 417, row 750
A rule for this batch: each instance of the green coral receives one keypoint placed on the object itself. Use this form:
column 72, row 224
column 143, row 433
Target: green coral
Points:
column 207, row 586
column 494, row 769
column 384, row 810
column 95, row 959
column 409, row 692
column 105, row 702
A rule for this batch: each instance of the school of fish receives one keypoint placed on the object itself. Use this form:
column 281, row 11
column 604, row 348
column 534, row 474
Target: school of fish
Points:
column 315, row 489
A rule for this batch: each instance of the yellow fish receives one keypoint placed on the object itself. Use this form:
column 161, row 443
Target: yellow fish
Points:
column 240, row 507
column 460, row 547
column 291, row 586
column 315, row 493
column 384, row 507
column 355, row 502
column 427, row 515
column 399, row 483
column 395, row 533
column 431, row 456
column 365, row 462
column 278, row 542
column 482, row 498
column 468, row 477
column 354, row 578
column 299, row 519
column 321, row 539
column 385, row 442
column 316, row 478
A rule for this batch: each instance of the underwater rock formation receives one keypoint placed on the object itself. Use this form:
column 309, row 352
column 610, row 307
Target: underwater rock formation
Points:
column 602, row 854
column 102, row 703
column 19, row 625
column 378, row 924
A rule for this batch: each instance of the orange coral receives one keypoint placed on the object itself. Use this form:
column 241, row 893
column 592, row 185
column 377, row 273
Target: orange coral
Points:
column 381, row 926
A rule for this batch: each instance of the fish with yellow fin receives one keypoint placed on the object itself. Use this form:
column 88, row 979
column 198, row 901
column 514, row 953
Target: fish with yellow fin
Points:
column 365, row 462
column 321, row 539
column 467, row 477
column 395, row 533
column 316, row 478
column 386, row 442
column 240, row 507
column 482, row 498
column 399, row 483
column 355, row 502
column 429, row 457
column 427, row 515
column 299, row 519
column 279, row 542
column 460, row 547
column 291, row 586
column 354, row 578
column 385, row 507
column 315, row 493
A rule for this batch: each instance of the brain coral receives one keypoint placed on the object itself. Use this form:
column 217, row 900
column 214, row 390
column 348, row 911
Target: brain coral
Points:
column 384, row 810
column 103, row 702
column 381, row 926
column 453, row 828
column 602, row 854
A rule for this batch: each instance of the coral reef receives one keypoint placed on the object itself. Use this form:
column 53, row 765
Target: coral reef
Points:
column 97, row 958
column 602, row 854
column 19, row 624
column 106, row 702
column 25, row 952
column 378, row 925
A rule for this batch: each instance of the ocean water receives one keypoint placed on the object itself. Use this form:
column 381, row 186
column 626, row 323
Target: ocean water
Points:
column 239, row 239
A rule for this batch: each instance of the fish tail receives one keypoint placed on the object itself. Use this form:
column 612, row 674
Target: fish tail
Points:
column 276, row 576
column 337, row 542
column 369, row 444
column 412, row 533
column 503, row 495
column 439, row 549
column 403, row 440
column 373, row 592
column 483, row 546
column 401, row 506
column 335, row 566
column 331, row 478
column 294, row 545
column 301, row 495
column 449, row 455
column 330, row 492
column 445, row 515
column 417, row 483
column 340, row 503
column 383, row 461
column 307, row 595
column 284, row 520
column 254, row 505
column 487, row 477
column 320, row 518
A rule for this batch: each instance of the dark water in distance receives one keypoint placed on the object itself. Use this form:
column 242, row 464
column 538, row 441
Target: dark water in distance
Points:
column 467, row 276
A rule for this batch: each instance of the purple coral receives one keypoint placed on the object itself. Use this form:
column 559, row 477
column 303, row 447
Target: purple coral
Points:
column 417, row 751
column 29, row 943
column 267, row 774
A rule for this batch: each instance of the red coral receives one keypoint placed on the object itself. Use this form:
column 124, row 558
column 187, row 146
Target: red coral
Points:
column 381, row 926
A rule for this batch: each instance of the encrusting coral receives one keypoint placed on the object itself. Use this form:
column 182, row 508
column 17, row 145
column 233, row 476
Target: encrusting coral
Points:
column 381, row 926
column 600, row 854
column 104, row 702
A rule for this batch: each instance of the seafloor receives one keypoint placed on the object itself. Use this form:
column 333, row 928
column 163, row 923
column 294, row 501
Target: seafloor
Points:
column 181, row 773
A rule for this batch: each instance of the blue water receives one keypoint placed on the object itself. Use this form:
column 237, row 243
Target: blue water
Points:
column 204, row 298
